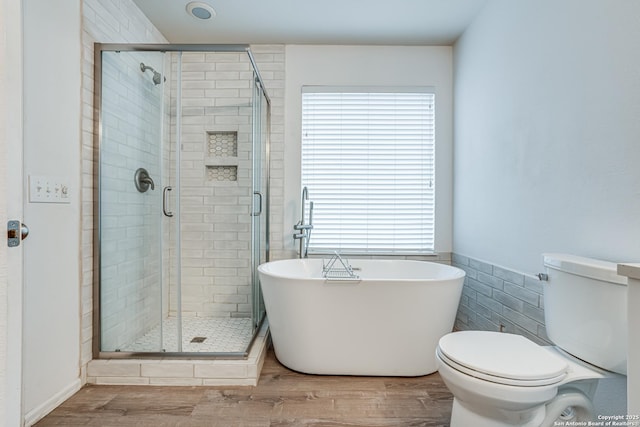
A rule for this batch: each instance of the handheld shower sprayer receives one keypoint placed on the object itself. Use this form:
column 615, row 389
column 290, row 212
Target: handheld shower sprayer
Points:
column 157, row 77
column 303, row 229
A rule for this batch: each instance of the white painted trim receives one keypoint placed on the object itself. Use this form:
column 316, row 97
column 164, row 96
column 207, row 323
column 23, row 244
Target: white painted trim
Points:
column 12, row 133
column 50, row 404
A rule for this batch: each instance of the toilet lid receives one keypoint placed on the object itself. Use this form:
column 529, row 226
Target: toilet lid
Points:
column 502, row 358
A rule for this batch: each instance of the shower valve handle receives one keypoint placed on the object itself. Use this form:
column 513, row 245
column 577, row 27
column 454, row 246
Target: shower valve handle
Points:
column 143, row 181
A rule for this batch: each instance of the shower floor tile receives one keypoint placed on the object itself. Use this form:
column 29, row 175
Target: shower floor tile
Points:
column 199, row 335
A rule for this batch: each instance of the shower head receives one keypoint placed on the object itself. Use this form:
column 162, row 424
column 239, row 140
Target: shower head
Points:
column 157, row 77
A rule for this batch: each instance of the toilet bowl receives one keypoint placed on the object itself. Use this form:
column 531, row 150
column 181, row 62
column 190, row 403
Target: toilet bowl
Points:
column 499, row 379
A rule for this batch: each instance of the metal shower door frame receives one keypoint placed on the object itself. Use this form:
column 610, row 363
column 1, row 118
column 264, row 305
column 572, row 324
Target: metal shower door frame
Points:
column 99, row 48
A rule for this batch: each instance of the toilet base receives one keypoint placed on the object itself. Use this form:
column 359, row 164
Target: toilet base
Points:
column 463, row 417
column 541, row 416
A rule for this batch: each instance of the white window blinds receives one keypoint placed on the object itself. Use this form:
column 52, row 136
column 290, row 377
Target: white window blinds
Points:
column 368, row 162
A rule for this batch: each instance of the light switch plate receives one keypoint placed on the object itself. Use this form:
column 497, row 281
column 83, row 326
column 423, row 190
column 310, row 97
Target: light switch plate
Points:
column 48, row 189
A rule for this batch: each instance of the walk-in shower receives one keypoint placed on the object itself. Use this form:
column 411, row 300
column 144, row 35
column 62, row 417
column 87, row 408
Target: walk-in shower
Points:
column 181, row 210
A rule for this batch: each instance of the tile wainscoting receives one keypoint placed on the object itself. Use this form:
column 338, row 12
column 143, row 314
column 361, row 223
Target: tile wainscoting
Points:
column 497, row 299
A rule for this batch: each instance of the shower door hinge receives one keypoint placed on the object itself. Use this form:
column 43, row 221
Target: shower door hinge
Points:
column 16, row 232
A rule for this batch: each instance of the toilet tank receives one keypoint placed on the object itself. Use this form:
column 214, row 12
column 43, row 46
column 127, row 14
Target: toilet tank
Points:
column 585, row 310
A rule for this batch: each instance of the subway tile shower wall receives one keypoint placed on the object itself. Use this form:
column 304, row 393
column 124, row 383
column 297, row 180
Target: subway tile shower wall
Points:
column 215, row 221
column 130, row 245
column 216, row 177
column 497, row 299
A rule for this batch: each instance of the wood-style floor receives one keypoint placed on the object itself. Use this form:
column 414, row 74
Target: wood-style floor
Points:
column 282, row 398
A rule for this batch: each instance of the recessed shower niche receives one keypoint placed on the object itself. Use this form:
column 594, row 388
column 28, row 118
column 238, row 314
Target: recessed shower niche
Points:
column 222, row 155
column 176, row 265
column 222, row 144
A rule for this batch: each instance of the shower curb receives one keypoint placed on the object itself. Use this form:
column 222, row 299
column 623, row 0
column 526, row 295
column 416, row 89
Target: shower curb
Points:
column 181, row 372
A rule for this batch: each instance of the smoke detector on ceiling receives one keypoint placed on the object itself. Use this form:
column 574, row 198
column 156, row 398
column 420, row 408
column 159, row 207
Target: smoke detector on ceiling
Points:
column 200, row 10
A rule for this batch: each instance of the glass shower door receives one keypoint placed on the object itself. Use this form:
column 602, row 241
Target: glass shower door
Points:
column 130, row 192
column 215, row 127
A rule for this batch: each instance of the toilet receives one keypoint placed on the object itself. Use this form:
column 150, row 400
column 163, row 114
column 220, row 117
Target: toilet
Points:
column 499, row 379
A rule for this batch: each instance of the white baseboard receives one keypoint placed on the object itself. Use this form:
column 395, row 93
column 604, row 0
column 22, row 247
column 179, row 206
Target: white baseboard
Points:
column 50, row 404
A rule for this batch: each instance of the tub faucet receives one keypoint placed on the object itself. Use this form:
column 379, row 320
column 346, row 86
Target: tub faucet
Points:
column 304, row 229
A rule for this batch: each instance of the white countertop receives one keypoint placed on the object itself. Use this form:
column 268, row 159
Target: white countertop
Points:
column 632, row 271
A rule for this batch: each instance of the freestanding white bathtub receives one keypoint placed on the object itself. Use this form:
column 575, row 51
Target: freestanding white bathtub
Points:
column 388, row 323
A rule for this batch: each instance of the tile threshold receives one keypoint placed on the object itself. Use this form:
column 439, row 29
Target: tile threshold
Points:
column 183, row 372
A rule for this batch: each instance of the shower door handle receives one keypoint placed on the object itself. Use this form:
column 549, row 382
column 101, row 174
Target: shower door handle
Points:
column 165, row 201
column 259, row 194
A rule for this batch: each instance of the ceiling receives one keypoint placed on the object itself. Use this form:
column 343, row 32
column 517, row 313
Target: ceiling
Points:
column 375, row 22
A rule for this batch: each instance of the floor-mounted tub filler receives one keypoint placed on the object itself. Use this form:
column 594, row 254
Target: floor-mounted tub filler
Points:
column 386, row 319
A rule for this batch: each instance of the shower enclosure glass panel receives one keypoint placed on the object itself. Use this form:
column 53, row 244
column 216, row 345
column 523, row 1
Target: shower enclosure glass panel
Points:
column 130, row 228
column 183, row 190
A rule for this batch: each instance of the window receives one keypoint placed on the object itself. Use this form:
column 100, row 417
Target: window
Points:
column 368, row 162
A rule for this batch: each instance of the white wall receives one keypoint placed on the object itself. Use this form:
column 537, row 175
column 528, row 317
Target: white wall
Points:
column 51, row 253
column 368, row 66
column 546, row 151
column 547, row 101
